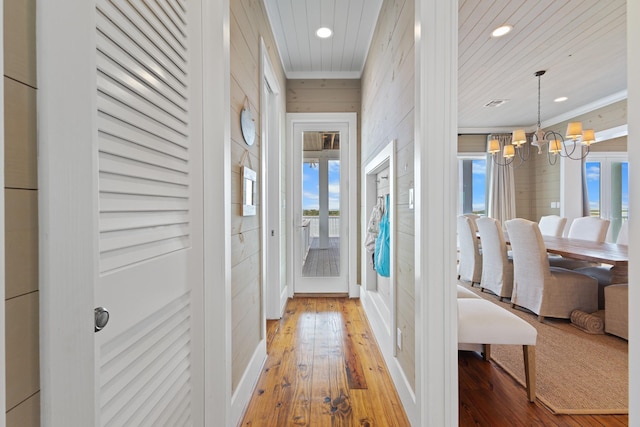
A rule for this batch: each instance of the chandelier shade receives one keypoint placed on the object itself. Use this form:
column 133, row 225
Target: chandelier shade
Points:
column 518, row 137
column 508, row 152
column 574, row 130
column 494, row 146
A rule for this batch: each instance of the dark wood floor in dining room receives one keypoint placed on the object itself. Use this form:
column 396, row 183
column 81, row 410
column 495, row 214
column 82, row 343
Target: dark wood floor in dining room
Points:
column 324, row 369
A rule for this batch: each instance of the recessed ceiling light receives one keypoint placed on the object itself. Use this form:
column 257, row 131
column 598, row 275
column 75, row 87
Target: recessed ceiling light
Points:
column 501, row 31
column 561, row 99
column 324, row 32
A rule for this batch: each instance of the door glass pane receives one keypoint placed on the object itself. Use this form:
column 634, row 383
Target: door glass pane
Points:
column 321, row 204
column 474, row 185
column 619, row 208
column 479, row 171
column 593, row 187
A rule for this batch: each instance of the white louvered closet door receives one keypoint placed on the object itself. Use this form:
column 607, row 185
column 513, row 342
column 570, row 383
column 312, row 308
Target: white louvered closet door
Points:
column 149, row 365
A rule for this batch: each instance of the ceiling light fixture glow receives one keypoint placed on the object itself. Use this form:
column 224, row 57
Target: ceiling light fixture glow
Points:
column 324, row 32
column 501, row 31
column 561, row 99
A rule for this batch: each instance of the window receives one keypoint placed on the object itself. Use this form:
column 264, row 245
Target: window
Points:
column 472, row 184
column 608, row 188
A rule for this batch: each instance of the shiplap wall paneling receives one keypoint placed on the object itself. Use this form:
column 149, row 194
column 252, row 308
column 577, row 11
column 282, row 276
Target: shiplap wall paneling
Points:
column 20, row 41
column 525, row 188
column 245, row 299
column 20, row 135
column 323, row 95
column 616, row 144
column 21, row 215
column 27, row 414
column 248, row 22
column 607, row 117
column 22, row 349
column 387, row 110
column 21, row 234
column 476, row 143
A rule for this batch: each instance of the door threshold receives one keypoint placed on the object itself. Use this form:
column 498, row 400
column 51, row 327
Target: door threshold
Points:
column 322, row 295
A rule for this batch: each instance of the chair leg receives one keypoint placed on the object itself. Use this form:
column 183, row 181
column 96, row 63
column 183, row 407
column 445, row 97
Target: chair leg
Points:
column 486, row 352
column 529, row 352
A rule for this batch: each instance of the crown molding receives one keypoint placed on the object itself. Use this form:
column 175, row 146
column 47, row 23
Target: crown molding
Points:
column 587, row 108
column 319, row 75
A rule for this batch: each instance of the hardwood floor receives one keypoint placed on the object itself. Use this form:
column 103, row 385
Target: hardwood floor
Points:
column 488, row 396
column 324, row 369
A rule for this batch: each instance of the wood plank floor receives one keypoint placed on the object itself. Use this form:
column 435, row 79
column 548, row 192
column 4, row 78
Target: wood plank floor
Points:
column 322, row 262
column 324, row 369
column 488, row 396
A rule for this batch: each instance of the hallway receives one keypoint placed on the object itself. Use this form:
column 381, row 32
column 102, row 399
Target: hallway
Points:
column 323, row 368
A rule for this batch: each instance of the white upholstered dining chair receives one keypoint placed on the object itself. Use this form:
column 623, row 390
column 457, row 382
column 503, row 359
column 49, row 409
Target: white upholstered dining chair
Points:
column 589, row 228
column 497, row 268
column 470, row 266
column 544, row 290
column 585, row 228
column 552, row 225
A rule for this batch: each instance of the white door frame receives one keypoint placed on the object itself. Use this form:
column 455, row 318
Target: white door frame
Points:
column 270, row 147
column 317, row 118
column 383, row 160
column 436, row 110
column 66, row 304
column 633, row 112
column 217, row 212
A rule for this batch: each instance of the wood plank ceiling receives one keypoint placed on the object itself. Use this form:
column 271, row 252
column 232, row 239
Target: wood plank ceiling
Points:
column 580, row 43
column 304, row 55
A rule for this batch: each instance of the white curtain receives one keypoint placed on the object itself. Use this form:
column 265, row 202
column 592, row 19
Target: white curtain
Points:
column 502, row 190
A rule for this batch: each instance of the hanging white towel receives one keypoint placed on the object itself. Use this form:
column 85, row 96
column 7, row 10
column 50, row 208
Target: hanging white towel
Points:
column 373, row 227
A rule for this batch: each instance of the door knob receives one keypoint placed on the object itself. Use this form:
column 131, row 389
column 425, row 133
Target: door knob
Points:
column 101, row 318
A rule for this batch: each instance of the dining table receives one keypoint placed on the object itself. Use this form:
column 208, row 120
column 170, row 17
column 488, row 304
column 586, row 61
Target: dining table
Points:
column 614, row 254
column 600, row 252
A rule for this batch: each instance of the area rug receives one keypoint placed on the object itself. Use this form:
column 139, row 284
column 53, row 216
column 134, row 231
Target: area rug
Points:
column 576, row 372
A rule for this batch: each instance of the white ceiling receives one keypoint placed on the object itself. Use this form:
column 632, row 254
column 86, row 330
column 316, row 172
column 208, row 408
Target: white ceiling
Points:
column 304, row 55
column 580, row 43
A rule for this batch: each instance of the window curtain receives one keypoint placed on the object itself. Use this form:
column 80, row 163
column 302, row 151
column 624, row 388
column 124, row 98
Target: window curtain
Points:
column 502, row 190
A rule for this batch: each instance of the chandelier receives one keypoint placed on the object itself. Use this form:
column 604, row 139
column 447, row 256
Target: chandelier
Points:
column 572, row 148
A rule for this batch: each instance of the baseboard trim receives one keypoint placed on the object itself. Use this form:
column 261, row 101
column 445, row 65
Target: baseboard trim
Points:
column 284, row 296
column 385, row 342
column 242, row 395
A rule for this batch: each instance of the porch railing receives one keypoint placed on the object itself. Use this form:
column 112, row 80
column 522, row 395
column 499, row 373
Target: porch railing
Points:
column 314, row 224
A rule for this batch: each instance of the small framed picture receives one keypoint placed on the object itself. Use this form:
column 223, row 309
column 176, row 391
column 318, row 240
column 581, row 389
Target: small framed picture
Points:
column 249, row 191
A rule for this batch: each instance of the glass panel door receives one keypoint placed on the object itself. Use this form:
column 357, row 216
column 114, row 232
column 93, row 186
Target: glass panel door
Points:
column 608, row 190
column 322, row 241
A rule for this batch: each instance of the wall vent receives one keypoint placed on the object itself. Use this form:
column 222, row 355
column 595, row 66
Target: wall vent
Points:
column 496, row 102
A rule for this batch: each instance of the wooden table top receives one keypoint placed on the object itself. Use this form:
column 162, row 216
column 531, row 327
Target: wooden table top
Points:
column 609, row 253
